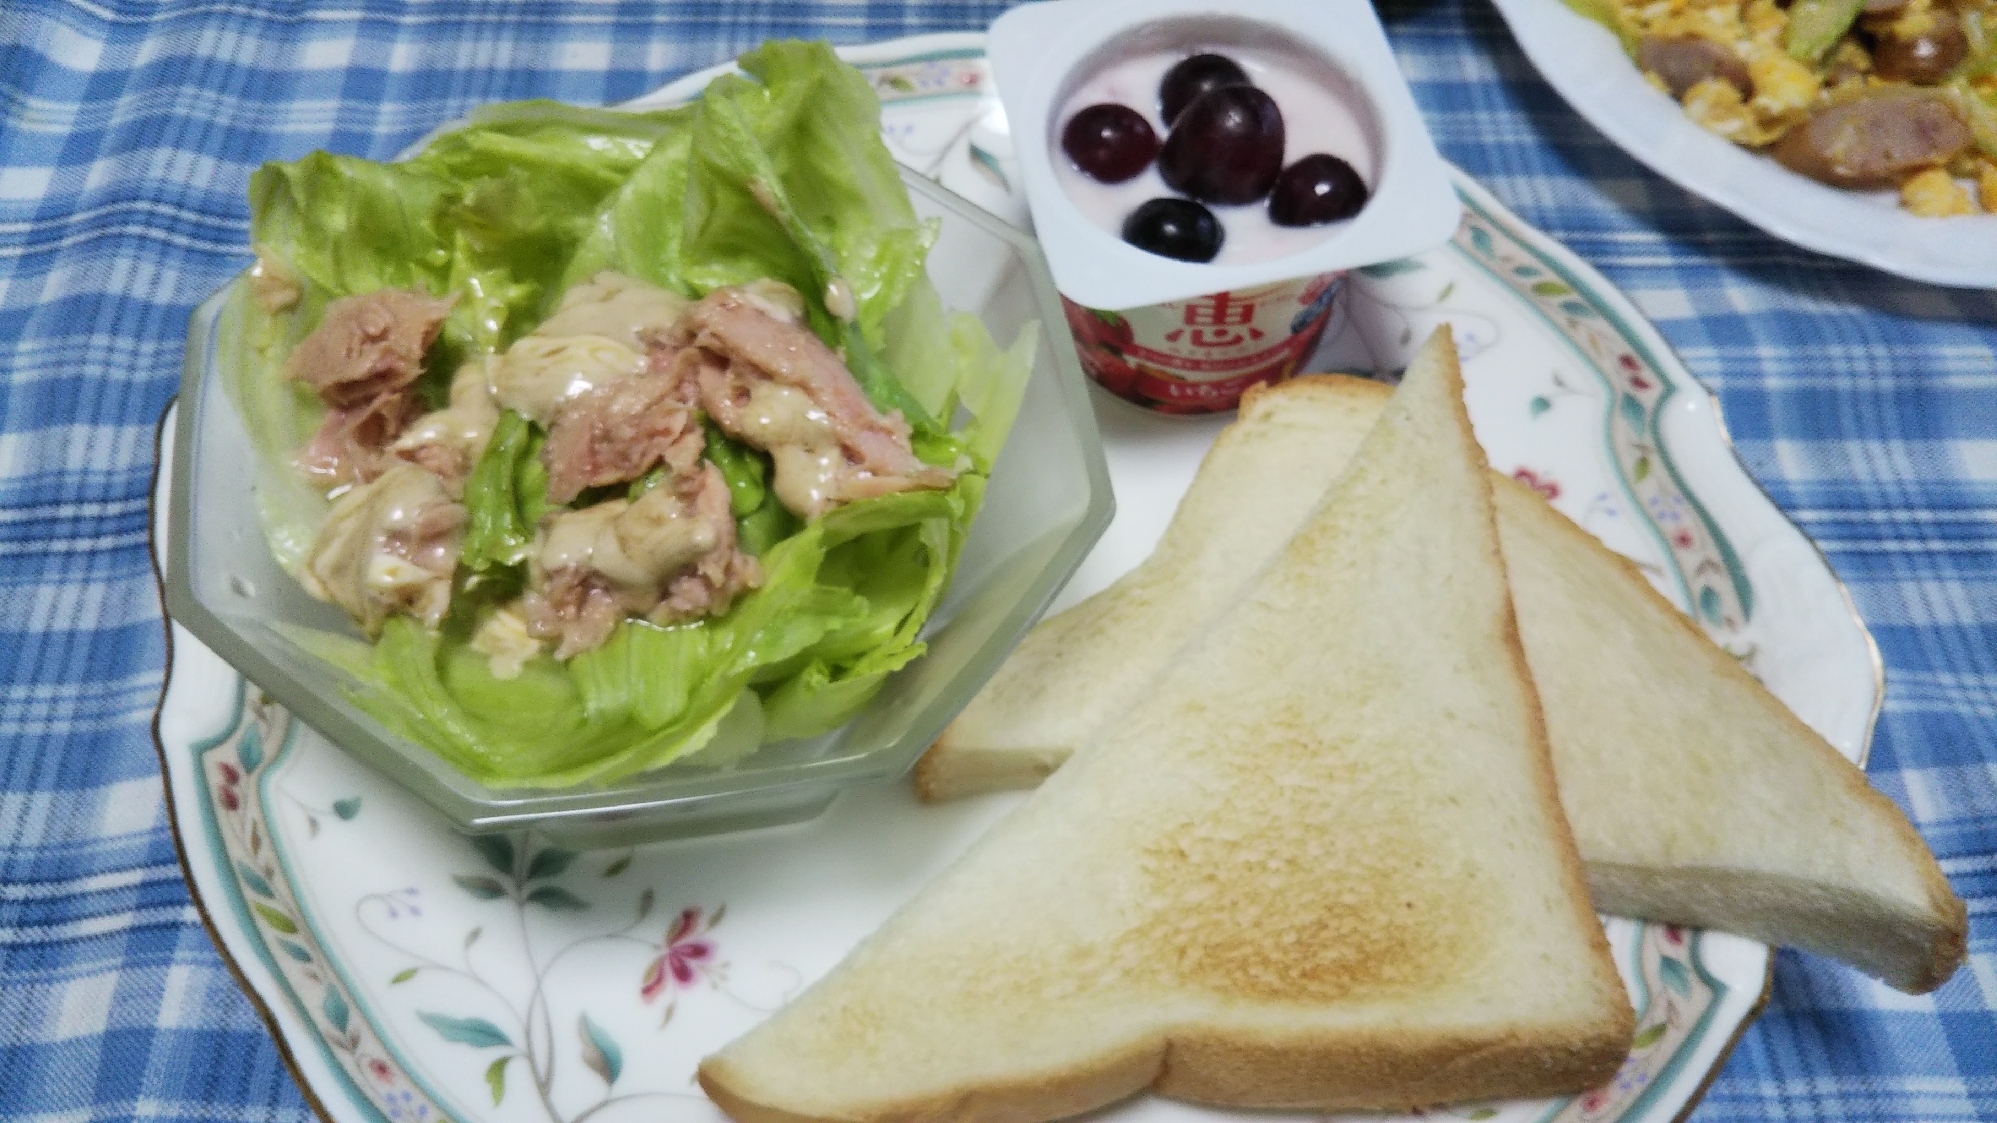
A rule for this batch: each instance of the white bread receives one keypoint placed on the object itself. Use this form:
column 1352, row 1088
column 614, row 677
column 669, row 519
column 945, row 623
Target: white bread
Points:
column 1303, row 874
column 1696, row 797
column 1078, row 667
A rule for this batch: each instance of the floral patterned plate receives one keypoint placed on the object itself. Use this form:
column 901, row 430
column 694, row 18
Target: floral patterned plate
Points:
column 409, row 973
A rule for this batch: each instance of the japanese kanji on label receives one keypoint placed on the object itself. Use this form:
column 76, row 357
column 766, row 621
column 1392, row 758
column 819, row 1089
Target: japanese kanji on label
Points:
column 1200, row 355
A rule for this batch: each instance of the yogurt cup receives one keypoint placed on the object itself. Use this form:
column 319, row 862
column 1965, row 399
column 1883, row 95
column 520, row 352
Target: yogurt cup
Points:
column 1200, row 355
column 1186, row 337
column 1322, row 112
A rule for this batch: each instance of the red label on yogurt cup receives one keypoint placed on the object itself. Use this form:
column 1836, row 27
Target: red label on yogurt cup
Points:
column 1200, row 355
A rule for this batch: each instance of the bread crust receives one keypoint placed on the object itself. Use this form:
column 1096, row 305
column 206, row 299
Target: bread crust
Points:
column 1051, row 1095
column 1330, row 1072
column 1916, row 965
column 1912, row 951
column 1383, row 1072
column 948, row 771
column 1264, row 397
column 1546, row 786
column 954, row 767
column 1243, row 898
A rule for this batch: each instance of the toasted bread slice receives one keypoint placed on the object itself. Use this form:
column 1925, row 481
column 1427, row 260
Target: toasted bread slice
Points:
column 1303, row 874
column 1078, row 667
column 1696, row 798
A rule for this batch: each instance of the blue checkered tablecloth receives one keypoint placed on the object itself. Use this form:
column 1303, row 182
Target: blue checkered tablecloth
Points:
column 1865, row 404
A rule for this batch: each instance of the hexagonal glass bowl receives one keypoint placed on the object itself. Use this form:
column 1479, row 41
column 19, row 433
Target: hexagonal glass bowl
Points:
column 1047, row 502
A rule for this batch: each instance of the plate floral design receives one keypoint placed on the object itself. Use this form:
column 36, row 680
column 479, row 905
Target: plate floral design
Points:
column 409, row 973
column 485, row 954
column 1621, row 374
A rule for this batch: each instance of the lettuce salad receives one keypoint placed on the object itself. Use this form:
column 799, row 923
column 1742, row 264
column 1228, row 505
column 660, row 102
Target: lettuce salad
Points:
column 777, row 173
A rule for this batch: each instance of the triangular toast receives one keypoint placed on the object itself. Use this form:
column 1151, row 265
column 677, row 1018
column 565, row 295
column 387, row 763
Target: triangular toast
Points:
column 1304, row 874
column 1696, row 798
column 1077, row 668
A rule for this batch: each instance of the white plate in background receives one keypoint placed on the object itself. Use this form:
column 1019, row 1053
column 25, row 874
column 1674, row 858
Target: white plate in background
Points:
column 1581, row 60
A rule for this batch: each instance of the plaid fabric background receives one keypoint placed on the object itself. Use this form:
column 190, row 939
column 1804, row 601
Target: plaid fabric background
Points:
column 1865, row 404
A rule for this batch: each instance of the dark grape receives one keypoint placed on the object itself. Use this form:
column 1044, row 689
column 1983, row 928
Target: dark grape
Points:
column 1226, row 148
column 1314, row 190
column 1109, row 142
column 1177, row 228
column 1191, row 77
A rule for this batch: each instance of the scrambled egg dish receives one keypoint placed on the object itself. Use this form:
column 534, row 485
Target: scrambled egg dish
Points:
column 1863, row 94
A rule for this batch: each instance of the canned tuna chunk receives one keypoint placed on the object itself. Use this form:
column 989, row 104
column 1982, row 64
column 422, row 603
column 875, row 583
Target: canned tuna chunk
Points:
column 1200, row 355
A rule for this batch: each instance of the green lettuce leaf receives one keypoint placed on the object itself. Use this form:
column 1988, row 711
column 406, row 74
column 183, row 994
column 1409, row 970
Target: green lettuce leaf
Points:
column 839, row 609
column 778, row 172
column 821, row 698
column 991, row 383
column 789, row 166
column 639, row 230
column 895, row 554
column 491, row 211
column 348, row 225
column 764, row 527
column 747, row 470
column 782, row 175
column 505, row 496
column 278, row 414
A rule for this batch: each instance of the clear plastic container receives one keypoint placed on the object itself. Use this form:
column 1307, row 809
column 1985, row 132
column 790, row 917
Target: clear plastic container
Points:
column 1042, row 53
column 1047, row 503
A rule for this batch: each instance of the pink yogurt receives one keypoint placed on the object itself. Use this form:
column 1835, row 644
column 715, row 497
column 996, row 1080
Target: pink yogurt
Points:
column 1200, row 356
column 1316, row 118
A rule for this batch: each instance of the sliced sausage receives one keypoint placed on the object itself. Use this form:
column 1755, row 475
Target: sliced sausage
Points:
column 1924, row 59
column 1875, row 141
column 1685, row 61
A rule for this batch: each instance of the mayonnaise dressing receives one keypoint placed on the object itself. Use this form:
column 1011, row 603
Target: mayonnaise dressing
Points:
column 539, row 374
